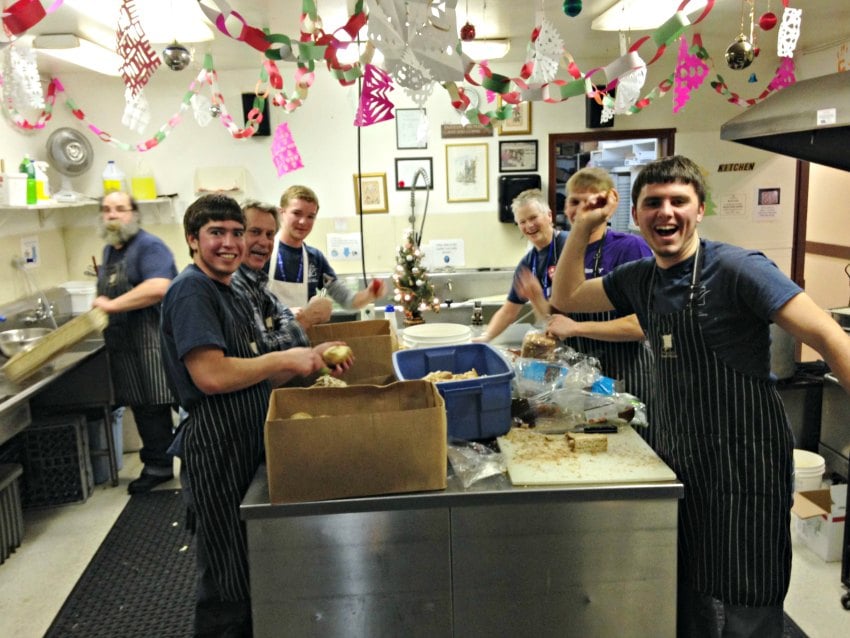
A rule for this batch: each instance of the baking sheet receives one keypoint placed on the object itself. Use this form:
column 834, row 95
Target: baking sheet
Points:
column 544, row 459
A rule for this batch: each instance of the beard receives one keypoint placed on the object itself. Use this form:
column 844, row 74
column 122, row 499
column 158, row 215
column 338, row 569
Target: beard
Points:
column 117, row 234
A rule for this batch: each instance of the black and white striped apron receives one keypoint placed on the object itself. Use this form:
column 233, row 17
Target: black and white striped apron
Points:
column 726, row 435
column 223, row 447
column 132, row 339
column 629, row 362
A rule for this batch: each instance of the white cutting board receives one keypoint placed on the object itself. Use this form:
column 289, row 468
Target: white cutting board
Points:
column 544, row 459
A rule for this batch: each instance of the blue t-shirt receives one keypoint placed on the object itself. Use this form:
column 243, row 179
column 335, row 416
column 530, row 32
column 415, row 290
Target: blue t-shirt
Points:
column 542, row 263
column 196, row 312
column 740, row 290
column 153, row 260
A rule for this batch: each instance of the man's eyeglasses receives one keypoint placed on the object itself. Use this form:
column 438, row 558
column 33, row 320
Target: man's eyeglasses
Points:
column 117, row 209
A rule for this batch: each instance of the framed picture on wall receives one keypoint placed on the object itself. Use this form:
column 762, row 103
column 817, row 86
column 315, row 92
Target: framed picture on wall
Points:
column 411, row 128
column 406, row 169
column 520, row 121
column 467, row 173
column 372, row 187
column 518, row 156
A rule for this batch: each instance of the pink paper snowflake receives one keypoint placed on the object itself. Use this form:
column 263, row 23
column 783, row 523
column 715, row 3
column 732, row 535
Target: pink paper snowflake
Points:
column 374, row 106
column 691, row 72
column 285, row 153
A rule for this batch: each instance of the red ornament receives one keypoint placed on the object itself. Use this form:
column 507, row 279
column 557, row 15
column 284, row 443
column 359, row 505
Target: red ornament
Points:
column 767, row 21
column 467, row 32
column 756, row 51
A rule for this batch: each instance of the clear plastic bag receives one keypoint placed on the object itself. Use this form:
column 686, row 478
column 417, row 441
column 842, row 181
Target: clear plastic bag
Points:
column 473, row 461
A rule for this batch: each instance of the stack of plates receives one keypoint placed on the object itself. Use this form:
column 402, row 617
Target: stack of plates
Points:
column 428, row 335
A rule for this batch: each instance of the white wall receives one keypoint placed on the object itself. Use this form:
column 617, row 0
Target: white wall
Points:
column 327, row 140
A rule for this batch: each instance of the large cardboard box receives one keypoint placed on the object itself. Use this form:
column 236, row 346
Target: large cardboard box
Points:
column 371, row 342
column 361, row 441
column 819, row 520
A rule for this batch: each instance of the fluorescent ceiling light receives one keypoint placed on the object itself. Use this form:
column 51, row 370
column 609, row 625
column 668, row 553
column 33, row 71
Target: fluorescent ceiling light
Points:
column 163, row 21
column 486, row 48
column 71, row 48
column 641, row 15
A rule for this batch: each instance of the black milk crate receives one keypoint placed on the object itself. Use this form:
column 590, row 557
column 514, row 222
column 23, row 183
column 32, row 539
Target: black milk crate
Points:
column 56, row 460
column 11, row 514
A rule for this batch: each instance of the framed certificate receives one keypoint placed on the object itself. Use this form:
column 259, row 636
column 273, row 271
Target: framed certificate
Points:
column 411, row 128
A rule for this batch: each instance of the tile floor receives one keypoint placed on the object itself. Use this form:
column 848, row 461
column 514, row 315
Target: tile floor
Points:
column 58, row 543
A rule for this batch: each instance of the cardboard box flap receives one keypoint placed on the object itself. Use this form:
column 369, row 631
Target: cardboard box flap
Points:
column 371, row 343
column 821, row 502
column 347, row 329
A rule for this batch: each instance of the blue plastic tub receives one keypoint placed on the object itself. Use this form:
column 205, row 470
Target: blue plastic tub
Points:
column 477, row 408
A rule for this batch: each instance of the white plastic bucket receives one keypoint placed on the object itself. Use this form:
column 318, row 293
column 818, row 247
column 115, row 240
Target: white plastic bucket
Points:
column 428, row 335
column 808, row 470
column 82, row 295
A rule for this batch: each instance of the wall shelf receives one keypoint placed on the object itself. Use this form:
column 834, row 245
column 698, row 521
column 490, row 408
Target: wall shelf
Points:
column 46, row 209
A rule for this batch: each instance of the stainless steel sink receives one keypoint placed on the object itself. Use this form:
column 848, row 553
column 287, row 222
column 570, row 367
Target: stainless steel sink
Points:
column 14, row 341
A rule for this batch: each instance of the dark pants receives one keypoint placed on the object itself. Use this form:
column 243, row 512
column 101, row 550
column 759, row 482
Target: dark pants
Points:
column 698, row 617
column 214, row 617
column 156, row 429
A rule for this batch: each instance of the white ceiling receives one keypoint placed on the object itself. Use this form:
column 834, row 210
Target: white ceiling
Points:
column 824, row 23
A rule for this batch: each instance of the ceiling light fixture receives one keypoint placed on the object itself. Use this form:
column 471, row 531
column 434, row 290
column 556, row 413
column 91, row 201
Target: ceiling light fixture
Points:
column 67, row 47
column 486, row 48
column 639, row 15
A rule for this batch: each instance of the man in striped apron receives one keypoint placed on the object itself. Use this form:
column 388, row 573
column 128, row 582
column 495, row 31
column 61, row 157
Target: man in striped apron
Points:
column 209, row 344
column 718, row 420
column 132, row 278
column 617, row 342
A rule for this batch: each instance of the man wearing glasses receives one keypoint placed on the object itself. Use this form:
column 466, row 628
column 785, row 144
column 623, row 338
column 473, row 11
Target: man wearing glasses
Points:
column 135, row 272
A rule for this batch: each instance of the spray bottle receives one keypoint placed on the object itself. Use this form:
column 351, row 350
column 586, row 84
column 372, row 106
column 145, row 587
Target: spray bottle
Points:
column 28, row 169
column 42, row 190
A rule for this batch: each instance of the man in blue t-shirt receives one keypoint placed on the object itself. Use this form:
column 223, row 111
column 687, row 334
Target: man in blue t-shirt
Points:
column 135, row 272
column 716, row 417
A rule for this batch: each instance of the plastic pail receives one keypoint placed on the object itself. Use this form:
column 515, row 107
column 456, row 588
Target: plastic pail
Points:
column 808, row 470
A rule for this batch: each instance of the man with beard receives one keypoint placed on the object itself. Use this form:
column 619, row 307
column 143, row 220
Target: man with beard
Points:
column 280, row 329
column 135, row 272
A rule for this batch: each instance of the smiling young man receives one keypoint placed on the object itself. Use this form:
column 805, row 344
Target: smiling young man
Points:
column 717, row 418
column 222, row 379
column 298, row 271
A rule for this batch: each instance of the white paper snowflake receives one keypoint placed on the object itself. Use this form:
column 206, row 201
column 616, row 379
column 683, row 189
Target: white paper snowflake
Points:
column 789, row 32
column 22, row 85
column 137, row 112
column 545, row 53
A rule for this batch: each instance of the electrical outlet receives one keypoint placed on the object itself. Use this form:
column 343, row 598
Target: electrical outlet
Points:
column 31, row 252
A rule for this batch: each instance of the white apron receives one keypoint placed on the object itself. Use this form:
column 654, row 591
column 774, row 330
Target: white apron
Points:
column 293, row 294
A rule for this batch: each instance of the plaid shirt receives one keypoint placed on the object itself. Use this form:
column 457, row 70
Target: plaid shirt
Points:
column 274, row 321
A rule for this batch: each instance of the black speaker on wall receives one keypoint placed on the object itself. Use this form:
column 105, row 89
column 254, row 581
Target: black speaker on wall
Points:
column 593, row 113
column 264, row 129
column 509, row 187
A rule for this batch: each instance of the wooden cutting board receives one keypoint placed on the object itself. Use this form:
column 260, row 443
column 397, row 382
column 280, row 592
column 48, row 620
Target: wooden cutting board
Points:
column 544, row 459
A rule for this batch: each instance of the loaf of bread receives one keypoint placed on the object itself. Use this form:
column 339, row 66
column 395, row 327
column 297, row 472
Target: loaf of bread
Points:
column 582, row 442
column 537, row 345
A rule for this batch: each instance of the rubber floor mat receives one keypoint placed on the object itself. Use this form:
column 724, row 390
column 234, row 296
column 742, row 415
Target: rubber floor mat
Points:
column 141, row 581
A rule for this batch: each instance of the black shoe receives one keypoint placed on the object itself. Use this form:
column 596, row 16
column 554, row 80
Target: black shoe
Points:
column 146, row 482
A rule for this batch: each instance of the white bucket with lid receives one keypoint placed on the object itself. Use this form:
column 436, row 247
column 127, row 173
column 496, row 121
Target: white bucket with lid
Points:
column 808, row 470
column 82, row 295
column 429, row 335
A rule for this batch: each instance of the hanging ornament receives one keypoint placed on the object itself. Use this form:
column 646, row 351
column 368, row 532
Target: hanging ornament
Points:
column 572, row 7
column 467, row 32
column 752, row 79
column 767, row 21
column 740, row 54
column 176, row 56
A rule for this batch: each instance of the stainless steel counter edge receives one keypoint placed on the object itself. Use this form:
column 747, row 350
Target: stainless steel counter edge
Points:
column 496, row 490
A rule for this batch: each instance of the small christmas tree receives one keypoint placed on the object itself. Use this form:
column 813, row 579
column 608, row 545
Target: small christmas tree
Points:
column 413, row 289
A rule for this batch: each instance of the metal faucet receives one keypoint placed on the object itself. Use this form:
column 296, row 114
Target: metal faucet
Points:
column 477, row 314
column 43, row 310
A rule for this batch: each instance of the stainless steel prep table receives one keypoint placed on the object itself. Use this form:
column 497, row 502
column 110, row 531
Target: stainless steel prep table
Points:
column 491, row 560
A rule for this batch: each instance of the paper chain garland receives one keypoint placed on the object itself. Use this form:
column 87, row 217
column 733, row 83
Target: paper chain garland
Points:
column 315, row 44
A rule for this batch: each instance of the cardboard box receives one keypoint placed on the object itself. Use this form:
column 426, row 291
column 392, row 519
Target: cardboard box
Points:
column 819, row 520
column 372, row 344
column 362, row 441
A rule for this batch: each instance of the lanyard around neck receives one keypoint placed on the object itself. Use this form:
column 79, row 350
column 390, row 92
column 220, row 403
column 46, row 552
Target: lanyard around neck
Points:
column 598, row 257
column 551, row 258
column 300, row 274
